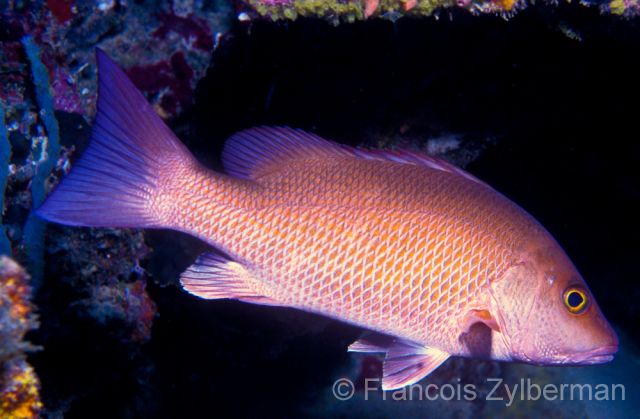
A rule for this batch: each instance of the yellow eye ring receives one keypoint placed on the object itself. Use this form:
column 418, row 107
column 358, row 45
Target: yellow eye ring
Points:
column 575, row 300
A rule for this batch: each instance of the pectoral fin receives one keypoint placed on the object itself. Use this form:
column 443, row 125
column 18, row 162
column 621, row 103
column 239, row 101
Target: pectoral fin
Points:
column 479, row 316
column 405, row 363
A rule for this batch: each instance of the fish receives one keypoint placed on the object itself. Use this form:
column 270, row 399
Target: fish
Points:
column 430, row 260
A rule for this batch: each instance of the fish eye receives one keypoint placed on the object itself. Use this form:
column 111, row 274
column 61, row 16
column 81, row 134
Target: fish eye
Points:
column 576, row 300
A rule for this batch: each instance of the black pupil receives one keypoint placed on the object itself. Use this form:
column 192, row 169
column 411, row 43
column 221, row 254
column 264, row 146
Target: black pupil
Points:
column 575, row 299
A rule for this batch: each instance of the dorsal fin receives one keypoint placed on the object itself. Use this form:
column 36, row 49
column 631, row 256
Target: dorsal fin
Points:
column 252, row 153
column 418, row 159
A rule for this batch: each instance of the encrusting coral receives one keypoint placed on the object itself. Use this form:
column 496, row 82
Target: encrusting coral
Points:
column 19, row 385
column 338, row 11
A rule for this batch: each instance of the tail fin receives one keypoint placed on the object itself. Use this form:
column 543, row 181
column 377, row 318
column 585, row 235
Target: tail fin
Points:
column 113, row 182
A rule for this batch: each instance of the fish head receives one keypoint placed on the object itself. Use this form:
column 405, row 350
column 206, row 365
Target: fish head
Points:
column 546, row 313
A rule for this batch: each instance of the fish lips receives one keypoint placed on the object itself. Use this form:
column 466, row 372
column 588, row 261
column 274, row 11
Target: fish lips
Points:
column 598, row 355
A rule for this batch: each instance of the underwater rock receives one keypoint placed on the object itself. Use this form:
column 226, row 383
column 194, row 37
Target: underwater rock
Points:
column 106, row 263
column 337, row 11
column 142, row 34
column 45, row 157
column 19, row 385
column 127, row 302
column 47, row 64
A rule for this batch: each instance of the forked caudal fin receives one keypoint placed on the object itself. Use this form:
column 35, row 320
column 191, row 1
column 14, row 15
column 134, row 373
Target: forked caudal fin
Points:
column 112, row 183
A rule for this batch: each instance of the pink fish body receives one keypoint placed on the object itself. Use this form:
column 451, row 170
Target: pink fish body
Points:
column 433, row 259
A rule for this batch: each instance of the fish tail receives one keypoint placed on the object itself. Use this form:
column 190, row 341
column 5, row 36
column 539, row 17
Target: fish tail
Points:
column 116, row 181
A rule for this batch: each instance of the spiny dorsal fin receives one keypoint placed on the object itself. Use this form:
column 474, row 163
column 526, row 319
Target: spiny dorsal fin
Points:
column 417, row 159
column 253, row 153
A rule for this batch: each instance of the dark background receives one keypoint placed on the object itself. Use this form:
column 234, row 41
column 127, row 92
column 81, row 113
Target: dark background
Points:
column 562, row 117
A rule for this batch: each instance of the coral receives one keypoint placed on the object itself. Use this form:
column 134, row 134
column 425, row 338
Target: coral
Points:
column 94, row 279
column 49, row 151
column 191, row 28
column 19, row 395
column 107, row 263
column 142, row 37
column 628, row 8
column 169, row 85
column 351, row 10
column 5, row 154
column 16, row 317
column 61, row 9
column 133, row 33
column 66, row 97
column 19, row 391
column 127, row 302
column 96, row 256
column 12, row 81
column 334, row 11
column 337, row 11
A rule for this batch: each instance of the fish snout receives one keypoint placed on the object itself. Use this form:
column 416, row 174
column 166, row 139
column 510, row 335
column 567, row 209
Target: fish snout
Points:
column 598, row 355
column 607, row 345
column 604, row 347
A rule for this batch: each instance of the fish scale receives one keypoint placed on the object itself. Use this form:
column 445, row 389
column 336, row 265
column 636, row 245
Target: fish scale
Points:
column 393, row 241
column 399, row 253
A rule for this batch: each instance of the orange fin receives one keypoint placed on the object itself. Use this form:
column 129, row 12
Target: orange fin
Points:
column 257, row 152
column 405, row 363
column 212, row 276
column 479, row 316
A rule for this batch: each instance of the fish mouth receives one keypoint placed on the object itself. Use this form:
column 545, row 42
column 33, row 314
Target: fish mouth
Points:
column 598, row 355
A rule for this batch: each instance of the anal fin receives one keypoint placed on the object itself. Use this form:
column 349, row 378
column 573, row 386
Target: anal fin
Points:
column 371, row 343
column 405, row 363
column 403, row 367
column 213, row 276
